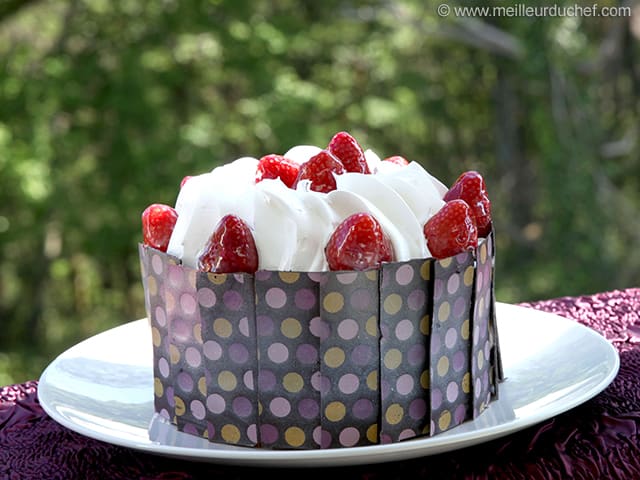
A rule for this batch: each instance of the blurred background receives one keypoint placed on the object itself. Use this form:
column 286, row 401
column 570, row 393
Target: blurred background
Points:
column 106, row 104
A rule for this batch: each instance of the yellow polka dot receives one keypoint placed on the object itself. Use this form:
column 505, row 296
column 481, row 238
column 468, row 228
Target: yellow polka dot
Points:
column 230, row 433
column 289, row 277
column 174, row 354
column 334, row 357
column 393, row 359
column 468, row 276
column 394, row 414
column 227, row 380
column 155, row 336
column 217, row 278
column 443, row 366
column 372, row 381
column 291, row 328
column 333, row 302
column 222, row 327
column 191, row 278
column 425, row 380
column 466, row 383
column 426, row 429
column 197, row 332
column 293, row 382
column 372, row 433
column 294, row 436
column 483, row 252
column 392, row 304
column 259, row 407
column 335, row 411
column 371, row 327
column 169, row 301
column 180, row 408
column 480, row 359
column 202, row 386
column 425, row 323
column 205, row 434
column 371, row 275
column 425, row 270
column 464, row 329
column 444, row 311
column 445, row 420
column 445, row 262
column 152, row 286
column 158, row 389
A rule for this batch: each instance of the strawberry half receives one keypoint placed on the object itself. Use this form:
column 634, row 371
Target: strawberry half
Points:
column 471, row 188
column 358, row 243
column 398, row 160
column 451, row 230
column 349, row 152
column 320, row 170
column 230, row 249
column 277, row 166
column 158, row 221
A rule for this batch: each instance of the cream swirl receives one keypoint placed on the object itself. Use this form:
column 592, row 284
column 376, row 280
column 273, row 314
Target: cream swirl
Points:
column 291, row 227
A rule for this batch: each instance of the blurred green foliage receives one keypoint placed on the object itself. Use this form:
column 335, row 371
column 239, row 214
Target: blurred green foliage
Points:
column 106, row 104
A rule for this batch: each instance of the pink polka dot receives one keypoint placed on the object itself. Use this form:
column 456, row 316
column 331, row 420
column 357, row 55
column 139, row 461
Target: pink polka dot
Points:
column 452, row 392
column 247, row 378
column 156, row 264
column 197, row 409
column 319, row 328
column 216, row 403
column 278, row 352
column 436, row 398
column 348, row 329
column 347, row 278
column 349, row 436
column 193, row 357
column 451, row 337
column 252, row 433
column 404, row 330
column 161, row 316
column 406, row 433
column 243, row 326
column 206, row 297
column 453, row 284
column 280, row 407
column 163, row 367
column 348, row 383
column 276, row 297
column 212, row 350
column 175, row 275
column 188, row 303
column 478, row 388
column 404, row 274
column 404, row 384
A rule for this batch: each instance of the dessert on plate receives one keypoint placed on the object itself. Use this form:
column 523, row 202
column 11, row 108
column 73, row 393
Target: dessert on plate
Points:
column 321, row 298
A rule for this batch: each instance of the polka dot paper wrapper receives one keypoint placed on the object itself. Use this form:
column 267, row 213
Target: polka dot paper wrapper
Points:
column 299, row 360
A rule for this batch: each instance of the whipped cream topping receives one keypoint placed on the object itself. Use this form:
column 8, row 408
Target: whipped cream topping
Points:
column 291, row 227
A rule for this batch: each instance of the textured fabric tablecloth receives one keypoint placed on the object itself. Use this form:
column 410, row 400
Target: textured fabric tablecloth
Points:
column 597, row 440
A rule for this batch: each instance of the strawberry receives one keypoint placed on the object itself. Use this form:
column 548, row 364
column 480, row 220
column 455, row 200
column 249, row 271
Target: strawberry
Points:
column 349, row 152
column 320, row 170
column 398, row 160
column 451, row 230
column 277, row 166
column 230, row 249
column 358, row 243
column 471, row 188
column 158, row 221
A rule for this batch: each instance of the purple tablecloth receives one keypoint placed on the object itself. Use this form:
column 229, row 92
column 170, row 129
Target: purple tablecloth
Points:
column 598, row 439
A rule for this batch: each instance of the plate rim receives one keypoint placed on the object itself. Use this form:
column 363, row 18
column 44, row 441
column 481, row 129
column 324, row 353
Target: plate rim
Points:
column 412, row 448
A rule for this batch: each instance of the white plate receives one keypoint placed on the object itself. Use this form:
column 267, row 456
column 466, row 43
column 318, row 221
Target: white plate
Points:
column 103, row 388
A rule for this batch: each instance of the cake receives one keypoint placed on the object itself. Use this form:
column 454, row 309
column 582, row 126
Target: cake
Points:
column 321, row 298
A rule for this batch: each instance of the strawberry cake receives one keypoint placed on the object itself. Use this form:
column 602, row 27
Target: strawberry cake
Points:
column 321, row 298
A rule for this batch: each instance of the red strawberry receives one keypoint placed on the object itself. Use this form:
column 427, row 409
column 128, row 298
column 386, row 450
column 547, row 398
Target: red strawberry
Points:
column 349, row 152
column 277, row 166
column 320, row 169
column 397, row 159
column 230, row 249
column 451, row 230
column 358, row 243
column 158, row 221
column 471, row 188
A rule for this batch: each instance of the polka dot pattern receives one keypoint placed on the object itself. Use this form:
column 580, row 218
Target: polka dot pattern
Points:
column 230, row 356
column 287, row 311
column 450, row 346
column 402, row 349
column 353, row 390
column 291, row 360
